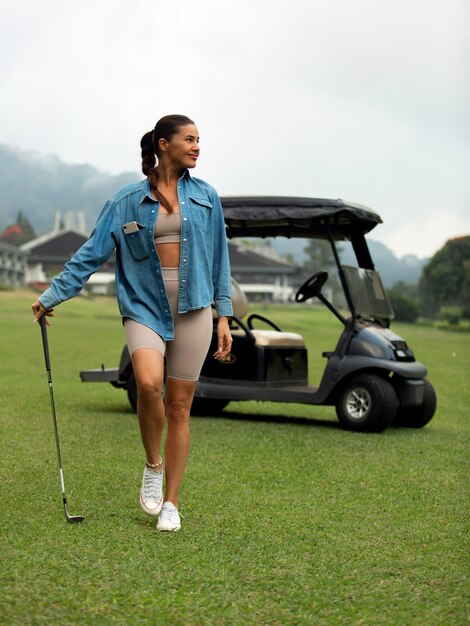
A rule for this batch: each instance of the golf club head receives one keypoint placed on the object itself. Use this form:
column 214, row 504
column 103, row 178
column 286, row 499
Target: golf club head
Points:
column 72, row 519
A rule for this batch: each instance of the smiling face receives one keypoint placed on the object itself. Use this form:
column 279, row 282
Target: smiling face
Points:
column 182, row 149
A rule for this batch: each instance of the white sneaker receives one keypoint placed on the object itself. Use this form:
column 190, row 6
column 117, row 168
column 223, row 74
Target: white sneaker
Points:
column 151, row 496
column 169, row 518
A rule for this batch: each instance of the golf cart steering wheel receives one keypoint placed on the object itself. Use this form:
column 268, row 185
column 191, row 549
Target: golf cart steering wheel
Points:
column 311, row 287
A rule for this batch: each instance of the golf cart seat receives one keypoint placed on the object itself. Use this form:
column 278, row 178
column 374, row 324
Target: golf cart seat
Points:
column 275, row 337
column 278, row 339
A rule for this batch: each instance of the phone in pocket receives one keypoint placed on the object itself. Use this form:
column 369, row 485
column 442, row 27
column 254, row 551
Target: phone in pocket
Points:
column 131, row 227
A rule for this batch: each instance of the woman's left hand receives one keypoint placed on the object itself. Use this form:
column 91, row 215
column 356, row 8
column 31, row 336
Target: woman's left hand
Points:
column 224, row 339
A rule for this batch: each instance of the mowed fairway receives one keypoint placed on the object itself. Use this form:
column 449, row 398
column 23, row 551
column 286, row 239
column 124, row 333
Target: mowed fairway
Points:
column 287, row 518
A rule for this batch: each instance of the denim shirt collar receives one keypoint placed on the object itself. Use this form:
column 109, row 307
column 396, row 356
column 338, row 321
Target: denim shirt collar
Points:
column 147, row 193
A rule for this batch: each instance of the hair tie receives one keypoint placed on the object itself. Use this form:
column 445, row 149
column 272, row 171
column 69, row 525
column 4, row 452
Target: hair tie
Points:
column 153, row 140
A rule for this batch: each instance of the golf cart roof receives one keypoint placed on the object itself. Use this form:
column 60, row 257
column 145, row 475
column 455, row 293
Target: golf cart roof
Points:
column 274, row 216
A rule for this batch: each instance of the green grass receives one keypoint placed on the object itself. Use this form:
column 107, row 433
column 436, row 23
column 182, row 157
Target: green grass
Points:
column 287, row 518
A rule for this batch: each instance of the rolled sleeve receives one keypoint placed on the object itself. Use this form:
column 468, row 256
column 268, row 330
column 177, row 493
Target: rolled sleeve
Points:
column 221, row 278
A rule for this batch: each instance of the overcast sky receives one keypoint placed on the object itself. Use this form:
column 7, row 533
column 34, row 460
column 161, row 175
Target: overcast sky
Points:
column 366, row 100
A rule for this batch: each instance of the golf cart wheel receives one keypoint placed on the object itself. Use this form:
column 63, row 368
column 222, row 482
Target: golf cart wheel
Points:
column 366, row 403
column 207, row 407
column 132, row 391
column 418, row 416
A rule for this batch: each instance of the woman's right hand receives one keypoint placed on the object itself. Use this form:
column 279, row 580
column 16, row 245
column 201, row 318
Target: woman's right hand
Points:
column 39, row 311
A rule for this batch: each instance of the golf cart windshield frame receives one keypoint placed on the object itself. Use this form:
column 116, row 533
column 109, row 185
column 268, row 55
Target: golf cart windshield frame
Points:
column 367, row 293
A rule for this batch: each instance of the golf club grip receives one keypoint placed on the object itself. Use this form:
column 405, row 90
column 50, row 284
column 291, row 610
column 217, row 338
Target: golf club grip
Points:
column 45, row 345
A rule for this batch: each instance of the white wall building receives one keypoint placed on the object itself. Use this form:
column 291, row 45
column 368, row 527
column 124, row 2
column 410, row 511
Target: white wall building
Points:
column 13, row 265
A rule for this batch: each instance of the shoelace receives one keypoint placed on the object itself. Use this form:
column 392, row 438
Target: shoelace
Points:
column 152, row 484
column 169, row 515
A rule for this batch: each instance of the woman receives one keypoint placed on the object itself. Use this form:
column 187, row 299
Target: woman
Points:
column 171, row 265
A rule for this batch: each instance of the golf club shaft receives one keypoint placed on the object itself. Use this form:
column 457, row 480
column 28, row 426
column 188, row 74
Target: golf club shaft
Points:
column 42, row 322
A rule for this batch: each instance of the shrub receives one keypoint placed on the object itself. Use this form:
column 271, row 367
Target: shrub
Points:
column 450, row 314
column 406, row 307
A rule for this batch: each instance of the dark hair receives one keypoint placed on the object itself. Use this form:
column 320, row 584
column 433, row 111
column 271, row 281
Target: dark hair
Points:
column 165, row 128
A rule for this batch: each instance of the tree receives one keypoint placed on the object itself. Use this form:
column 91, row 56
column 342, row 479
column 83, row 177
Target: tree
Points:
column 319, row 256
column 26, row 227
column 289, row 257
column 405, row 303
column 445, row 281
column 20, row 232
column 466, row 290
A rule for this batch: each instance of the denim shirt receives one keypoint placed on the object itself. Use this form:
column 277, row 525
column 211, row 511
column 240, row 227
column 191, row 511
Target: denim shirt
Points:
column 204, row 272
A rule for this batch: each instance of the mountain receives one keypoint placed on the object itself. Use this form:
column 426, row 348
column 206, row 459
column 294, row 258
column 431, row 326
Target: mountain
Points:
column 39, row 185
column 392, row 269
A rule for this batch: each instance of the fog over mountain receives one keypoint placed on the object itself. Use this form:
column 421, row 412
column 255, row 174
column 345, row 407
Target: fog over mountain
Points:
column 392, row 269
column 39, row 185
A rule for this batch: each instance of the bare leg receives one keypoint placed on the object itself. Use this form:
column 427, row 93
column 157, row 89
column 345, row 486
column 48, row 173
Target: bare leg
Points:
column 178, row 399
column 148, row 370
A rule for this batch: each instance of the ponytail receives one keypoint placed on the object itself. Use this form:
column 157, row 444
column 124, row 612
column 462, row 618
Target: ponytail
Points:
column 149, row 168
column 148, row 154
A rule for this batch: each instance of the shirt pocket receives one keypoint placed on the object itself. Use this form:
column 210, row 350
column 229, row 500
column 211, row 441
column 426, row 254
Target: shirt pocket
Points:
column 138, row 243
column 200, row 211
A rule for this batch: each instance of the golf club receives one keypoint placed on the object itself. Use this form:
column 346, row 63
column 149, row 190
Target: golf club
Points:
column 71, row 519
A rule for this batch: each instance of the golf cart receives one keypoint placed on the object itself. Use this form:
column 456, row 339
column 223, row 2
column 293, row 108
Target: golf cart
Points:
column 371, row 376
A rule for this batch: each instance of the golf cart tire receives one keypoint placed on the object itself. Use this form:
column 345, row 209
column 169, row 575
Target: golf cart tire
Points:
column 418, row 416
column 132, row 391
column 208, row 407
column 366, row 403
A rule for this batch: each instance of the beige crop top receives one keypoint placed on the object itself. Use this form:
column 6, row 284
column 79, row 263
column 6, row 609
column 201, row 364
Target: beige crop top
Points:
column 167, row 228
